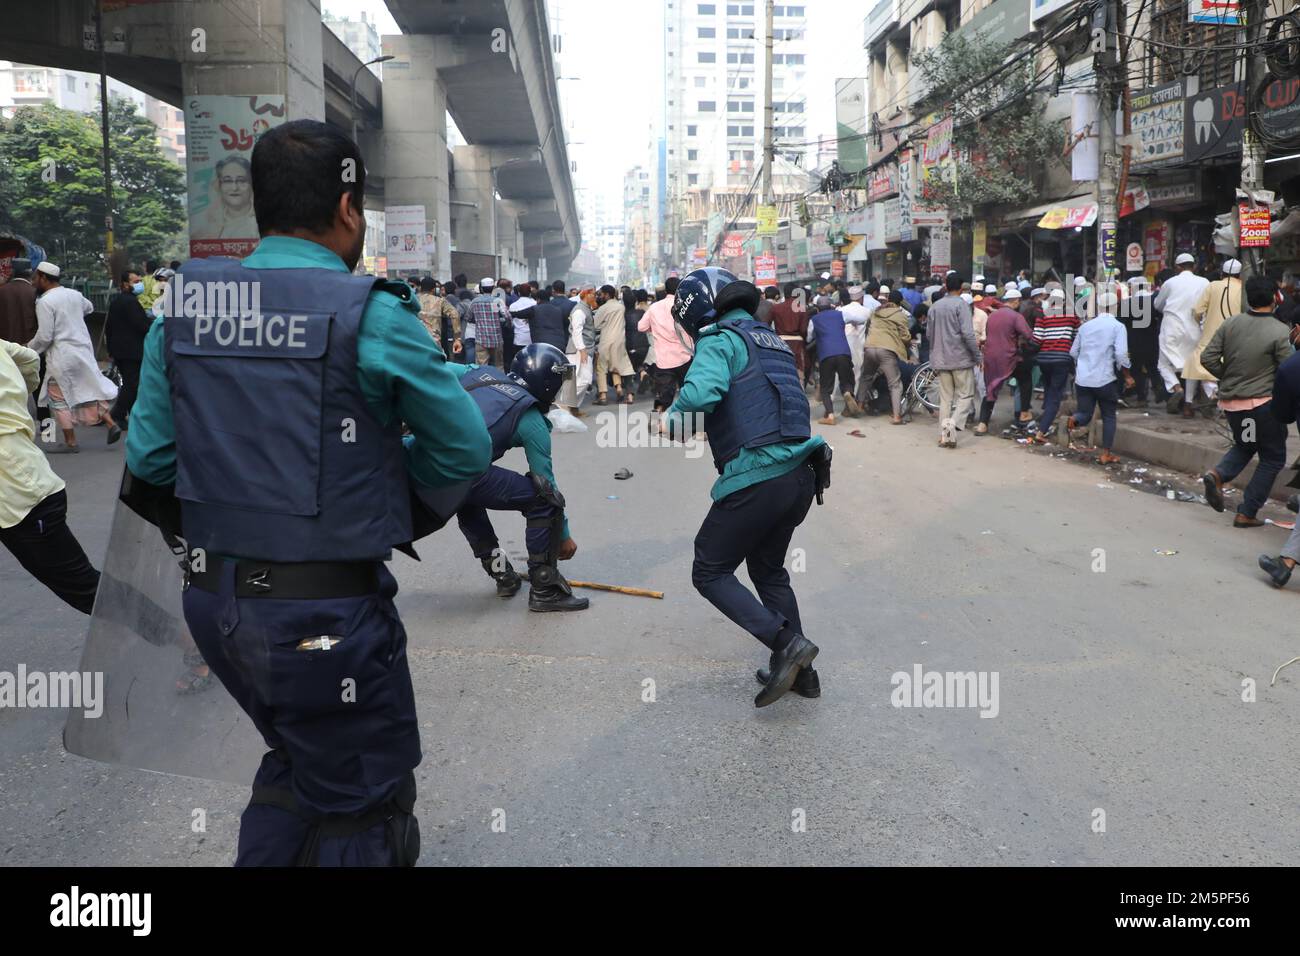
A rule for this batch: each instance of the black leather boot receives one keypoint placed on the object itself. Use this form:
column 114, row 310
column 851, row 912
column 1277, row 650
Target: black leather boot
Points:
column 550, row 592
column 508, row 580
column 807, row 684
column 786, row 663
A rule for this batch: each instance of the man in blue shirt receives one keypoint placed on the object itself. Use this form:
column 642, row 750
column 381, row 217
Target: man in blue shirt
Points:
column 744, row 382
column 912, row 296
column 834, row 357
column 1100, row 346
column 274, row 394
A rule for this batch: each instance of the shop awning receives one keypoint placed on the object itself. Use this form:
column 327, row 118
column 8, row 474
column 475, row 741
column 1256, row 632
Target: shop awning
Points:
column 1036, row 213
column 1069, row 217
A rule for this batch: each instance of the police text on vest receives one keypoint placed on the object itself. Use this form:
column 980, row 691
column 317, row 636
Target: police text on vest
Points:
column 252, row 331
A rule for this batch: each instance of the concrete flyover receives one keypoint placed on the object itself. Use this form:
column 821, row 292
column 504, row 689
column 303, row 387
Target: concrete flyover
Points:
column 488, row 62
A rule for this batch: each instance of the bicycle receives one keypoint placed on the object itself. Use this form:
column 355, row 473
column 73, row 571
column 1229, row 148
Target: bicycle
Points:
column 922, row 391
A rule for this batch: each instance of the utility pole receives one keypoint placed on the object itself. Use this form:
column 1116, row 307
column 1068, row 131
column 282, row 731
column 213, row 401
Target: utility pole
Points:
column 769, row 132
column 1252, row 150
column 1105, row 62
column 104, row 131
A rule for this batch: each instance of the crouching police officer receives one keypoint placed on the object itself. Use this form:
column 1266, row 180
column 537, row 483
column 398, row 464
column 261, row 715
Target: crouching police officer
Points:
column 744, row 382
column 514, row 407
column 276, row 406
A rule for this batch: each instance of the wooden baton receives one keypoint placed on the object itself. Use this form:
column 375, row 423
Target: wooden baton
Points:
column 618, row 588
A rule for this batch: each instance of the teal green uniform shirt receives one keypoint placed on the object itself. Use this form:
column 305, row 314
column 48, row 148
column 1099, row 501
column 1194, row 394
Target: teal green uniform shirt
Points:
column 403, row 375
column 532, row 434
column 719, row 359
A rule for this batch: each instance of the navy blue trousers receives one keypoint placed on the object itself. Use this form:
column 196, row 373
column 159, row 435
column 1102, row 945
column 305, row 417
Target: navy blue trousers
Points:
column 499, row 489
column 754, row 525
column 341, row 722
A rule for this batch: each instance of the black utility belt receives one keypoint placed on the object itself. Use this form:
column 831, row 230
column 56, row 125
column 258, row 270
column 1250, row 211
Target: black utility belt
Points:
column 299, row 581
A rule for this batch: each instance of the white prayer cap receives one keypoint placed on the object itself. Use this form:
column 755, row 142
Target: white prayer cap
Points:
column 1024, row 285
column 967, row 298
column 978, row 278
column 1037, row 292
column 1184, row 259
column 855, row 292
column 1056, row 294
column 487, row 282
column 1080, row 281
column 826, row 275
column 1232, row 267
column 1011, row 294
column 884, row 290
column 991, row 287
column 49, row 268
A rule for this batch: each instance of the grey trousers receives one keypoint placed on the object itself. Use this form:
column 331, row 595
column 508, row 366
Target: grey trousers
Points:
column 874, row 361
column 956, row 396
column 1292, row 547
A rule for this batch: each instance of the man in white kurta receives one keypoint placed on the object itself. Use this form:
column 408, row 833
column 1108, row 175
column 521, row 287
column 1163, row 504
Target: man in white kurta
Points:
column 74, row 388
column 1179, row 330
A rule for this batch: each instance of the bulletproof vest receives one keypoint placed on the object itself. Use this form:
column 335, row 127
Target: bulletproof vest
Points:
column 548, row 325
column 501, row 400
column 765, row 404
column 278, row 455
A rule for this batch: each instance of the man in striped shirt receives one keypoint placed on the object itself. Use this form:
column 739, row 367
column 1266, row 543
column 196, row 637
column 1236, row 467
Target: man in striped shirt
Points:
column 1054, row 330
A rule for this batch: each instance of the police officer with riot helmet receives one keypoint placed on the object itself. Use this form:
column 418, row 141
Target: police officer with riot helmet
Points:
column 745, row 383
column 513, row 406
column 282, row 430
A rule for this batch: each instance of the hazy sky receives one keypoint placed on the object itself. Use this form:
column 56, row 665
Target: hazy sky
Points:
column 611, row 69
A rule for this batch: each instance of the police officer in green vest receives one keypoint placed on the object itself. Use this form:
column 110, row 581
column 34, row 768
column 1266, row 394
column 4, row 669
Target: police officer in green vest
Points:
column 744, row 386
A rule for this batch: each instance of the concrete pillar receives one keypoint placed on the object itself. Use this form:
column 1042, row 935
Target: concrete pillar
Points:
column 415, row 135
column 474, row 184
column 273, row 49
column 265, row 67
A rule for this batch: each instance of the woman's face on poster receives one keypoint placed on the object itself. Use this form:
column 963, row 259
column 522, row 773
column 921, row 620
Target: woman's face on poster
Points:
column 235, row 187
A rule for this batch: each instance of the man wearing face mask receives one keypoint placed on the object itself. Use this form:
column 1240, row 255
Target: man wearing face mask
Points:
column 124, row 331
column 281, row 426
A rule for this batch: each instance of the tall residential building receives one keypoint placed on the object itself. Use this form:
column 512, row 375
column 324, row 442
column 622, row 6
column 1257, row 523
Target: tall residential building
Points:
column 22, row 84
column 359, row 36
column 713, row 96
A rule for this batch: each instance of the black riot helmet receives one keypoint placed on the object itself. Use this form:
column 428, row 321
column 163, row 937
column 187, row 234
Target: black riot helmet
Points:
column 541, row 369
column 708, row 293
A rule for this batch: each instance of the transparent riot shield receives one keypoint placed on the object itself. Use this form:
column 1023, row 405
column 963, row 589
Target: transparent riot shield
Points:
column 153, row 716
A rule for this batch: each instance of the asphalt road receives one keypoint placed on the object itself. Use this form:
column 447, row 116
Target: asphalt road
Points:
column 1119, row 691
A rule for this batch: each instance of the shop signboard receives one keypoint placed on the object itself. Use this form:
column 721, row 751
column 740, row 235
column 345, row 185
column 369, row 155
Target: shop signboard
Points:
column 940, row 249
column 766, row 224
column 1000, row 23
column 1279, row 108
column 1156, row 241
column 1254, row 225
column 1212, row 123
column 764, row 270
column 733, row 245
column 893, row 219
column 1221, row 13
column 1157, row 124
column 905, row 196
column 883, row 181
column 1133, row 257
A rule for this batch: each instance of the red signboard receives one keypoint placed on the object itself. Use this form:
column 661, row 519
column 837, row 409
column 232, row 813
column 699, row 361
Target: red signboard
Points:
column 1254, row 225
column 837, row 269
column 733, row 245
column 764, row 270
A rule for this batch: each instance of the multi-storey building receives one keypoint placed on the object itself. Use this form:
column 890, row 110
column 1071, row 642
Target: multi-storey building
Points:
column 713, row 107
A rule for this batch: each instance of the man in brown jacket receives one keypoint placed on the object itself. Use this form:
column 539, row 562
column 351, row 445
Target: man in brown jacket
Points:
column 18, row 305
